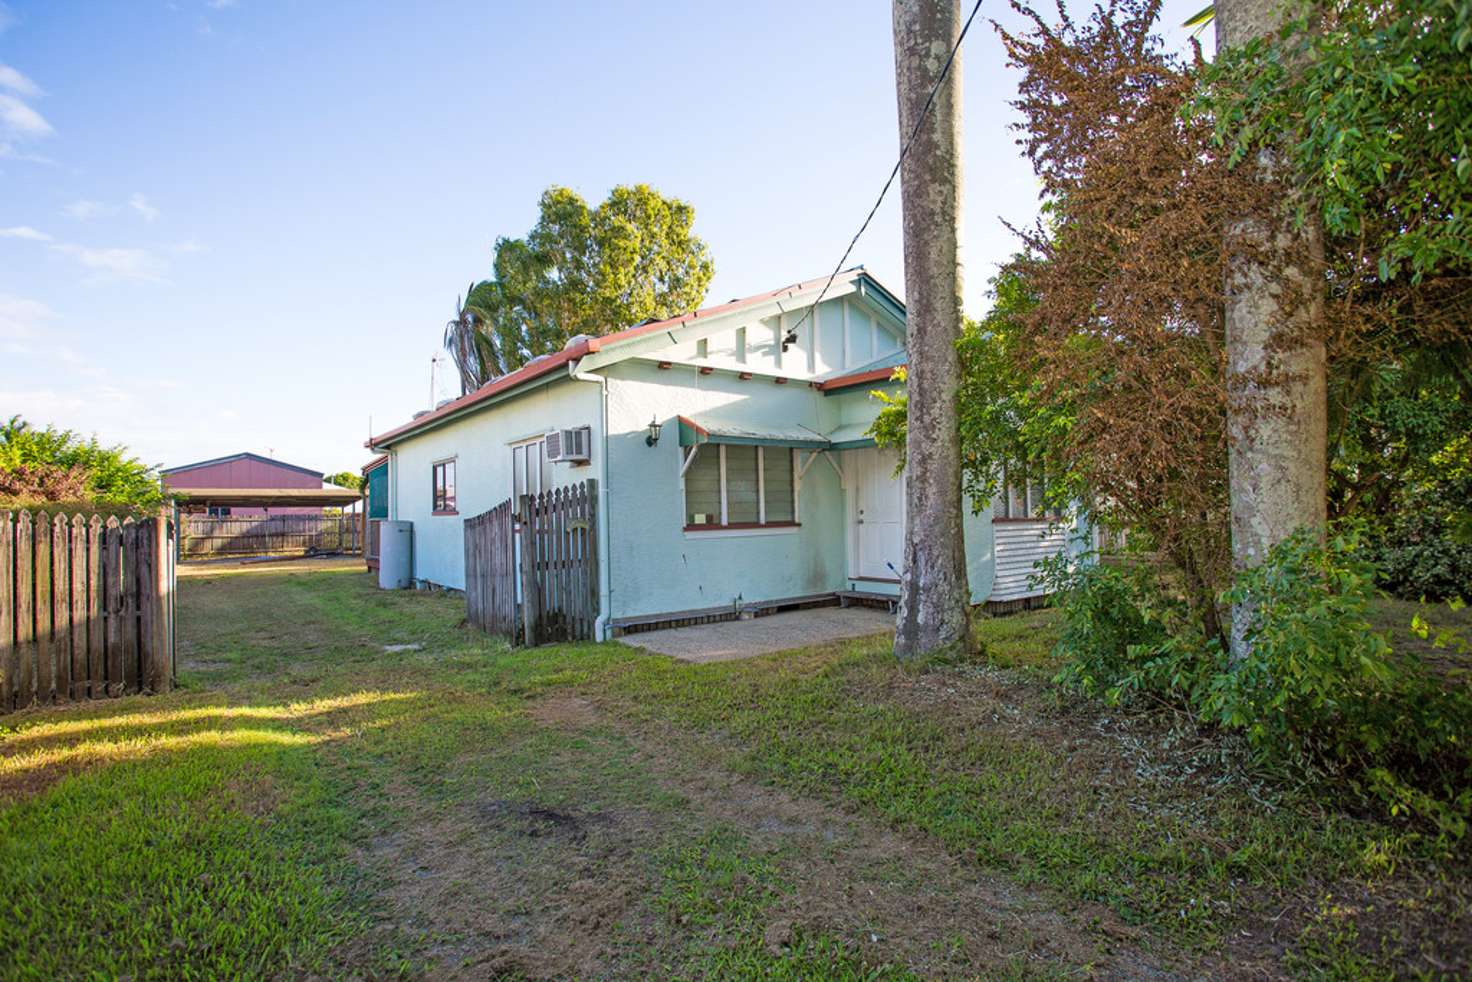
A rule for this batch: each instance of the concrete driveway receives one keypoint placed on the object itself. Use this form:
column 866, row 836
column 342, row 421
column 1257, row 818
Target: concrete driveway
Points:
column 729, row 640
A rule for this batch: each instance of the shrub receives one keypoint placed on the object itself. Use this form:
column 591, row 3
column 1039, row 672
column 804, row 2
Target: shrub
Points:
column 52, row 465
column 1124, row 637
column 1422, row 549
column 1321, row 692
column 1322, row 688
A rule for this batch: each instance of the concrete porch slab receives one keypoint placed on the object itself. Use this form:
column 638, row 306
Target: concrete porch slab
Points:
column 730, row 640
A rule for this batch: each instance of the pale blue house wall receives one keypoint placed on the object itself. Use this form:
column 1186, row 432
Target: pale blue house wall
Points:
column 481, row 445
column 656, row 566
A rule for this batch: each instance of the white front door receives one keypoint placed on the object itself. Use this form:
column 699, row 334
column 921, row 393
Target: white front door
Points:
column 878, row 514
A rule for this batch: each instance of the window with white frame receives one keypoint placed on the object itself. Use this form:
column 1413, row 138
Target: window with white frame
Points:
column 531, row 473
column 443, row 475
column 1023, row 496
column 735, row 486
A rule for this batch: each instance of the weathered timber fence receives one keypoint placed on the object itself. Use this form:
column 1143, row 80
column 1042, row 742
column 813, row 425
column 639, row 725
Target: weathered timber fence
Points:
column 531, row 573
column 212, row 537
column 86, row 608
column 491, row 576
column 371, row 541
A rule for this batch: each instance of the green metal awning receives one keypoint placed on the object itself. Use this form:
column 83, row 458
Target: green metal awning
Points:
column 694, row 432
column 851, row 436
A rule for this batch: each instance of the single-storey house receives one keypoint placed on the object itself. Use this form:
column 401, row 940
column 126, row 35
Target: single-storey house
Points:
column 733, row 460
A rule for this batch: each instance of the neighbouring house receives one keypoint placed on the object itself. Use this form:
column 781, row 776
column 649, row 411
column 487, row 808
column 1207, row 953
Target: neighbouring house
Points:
column 375, row 491
column 734, row 469
column 245, row 472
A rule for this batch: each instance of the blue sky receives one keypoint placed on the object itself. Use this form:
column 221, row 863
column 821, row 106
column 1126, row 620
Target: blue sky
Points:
column 241, row 224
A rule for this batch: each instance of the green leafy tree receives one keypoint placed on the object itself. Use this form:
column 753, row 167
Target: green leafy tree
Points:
column 579, row 270
column 345, row 479
column 1373, row 103
column 55, row 465
column 1007, row 423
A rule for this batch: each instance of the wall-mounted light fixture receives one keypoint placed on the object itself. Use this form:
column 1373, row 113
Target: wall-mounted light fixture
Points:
column 653, row 436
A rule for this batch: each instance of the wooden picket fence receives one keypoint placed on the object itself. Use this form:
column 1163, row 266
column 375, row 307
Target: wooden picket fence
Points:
column 531, row 574
column 213, row 537
column 86, row 607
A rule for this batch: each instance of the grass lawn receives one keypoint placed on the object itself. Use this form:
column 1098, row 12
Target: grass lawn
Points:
column 310, row 803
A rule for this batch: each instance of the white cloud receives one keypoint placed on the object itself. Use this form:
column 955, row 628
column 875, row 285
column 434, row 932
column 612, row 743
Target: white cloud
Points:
column 83, row 210
column 22, row 319
column 138, row 265
column 13, row 80
column 24, row 232
column 21, row 120
column 221, row 4
column 140, row 204
column 186, row 248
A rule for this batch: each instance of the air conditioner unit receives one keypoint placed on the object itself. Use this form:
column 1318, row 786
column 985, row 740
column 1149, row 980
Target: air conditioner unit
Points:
column 569, row 446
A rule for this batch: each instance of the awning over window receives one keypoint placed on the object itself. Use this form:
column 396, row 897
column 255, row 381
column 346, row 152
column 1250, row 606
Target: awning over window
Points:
column 850, row 436
column 694, row 432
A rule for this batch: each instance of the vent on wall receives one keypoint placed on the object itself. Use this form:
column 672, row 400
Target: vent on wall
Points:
column 569, row 446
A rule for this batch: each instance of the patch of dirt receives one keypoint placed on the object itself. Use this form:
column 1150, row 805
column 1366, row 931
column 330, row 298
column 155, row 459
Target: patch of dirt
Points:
column 564, row 709
column 500, row 887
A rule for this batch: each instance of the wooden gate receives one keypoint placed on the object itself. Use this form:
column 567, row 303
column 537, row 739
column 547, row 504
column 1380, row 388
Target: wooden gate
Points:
column 531, row 573
column 490, row 570
column 86, row 608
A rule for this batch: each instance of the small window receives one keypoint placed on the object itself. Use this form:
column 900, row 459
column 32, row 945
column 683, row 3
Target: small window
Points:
column 219, row 511
column 1024, row 496
column 735, row 486
column 702, row 348
column 741, row 344
column 444, row 487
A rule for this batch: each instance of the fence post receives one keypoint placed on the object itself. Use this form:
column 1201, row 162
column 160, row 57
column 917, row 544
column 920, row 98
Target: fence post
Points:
column 61, row 608
column 96, row 619
column 530, row 599
column 77, row 565
column 7, row 611
column 24, row 658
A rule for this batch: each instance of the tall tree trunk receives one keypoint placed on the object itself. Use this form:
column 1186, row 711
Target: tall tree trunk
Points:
column 1277, row 414
column 934, row 598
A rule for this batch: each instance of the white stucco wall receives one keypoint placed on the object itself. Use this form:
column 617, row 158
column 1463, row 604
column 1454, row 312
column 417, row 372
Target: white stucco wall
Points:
column 480, row 444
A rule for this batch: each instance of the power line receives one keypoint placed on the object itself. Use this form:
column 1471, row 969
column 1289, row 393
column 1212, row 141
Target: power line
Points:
column 791, row 336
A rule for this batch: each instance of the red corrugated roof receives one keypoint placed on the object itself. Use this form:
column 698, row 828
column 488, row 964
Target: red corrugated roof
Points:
column 536, row 369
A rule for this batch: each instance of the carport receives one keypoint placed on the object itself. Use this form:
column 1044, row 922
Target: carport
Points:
column 203, row 536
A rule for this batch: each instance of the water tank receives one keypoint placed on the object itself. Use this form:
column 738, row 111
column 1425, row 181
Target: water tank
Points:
column 395, row 555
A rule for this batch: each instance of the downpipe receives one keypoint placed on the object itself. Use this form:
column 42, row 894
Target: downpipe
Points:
column 605, row 566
